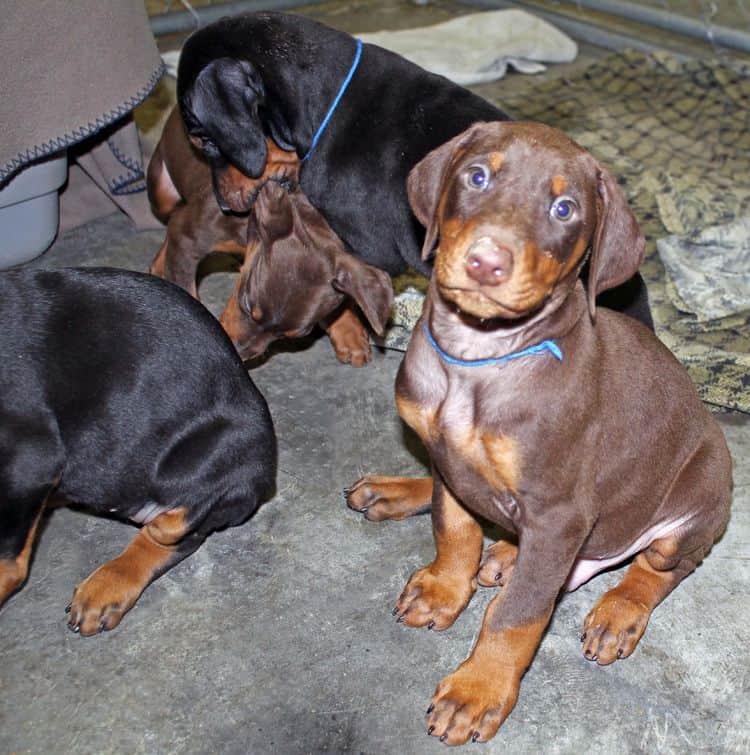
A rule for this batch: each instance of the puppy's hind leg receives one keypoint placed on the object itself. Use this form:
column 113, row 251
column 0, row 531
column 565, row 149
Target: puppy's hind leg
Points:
column 616, row 623
column 19, row 519
column 181, row 252
column 106, row 595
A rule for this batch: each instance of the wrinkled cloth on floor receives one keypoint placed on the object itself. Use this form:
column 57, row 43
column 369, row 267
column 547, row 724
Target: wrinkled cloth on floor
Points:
column 710, row 270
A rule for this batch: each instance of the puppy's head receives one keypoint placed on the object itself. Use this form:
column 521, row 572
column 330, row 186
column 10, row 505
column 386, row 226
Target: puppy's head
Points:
column 296, row 273
column 223, row 105
column 512, row 209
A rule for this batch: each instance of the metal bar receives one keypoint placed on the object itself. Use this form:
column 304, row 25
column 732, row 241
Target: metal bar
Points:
column 673, row 22
column 581, row 30
column 178, row 21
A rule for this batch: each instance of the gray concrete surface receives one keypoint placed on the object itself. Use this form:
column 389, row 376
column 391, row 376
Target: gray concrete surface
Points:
column 277, row 636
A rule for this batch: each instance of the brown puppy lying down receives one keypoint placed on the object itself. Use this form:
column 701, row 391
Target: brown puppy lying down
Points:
column 571, row 426
column 318, row 274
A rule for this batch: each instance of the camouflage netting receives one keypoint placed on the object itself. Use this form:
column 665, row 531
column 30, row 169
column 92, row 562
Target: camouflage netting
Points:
column 677, row 135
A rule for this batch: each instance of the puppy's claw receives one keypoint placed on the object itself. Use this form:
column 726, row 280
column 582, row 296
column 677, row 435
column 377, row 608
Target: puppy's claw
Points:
column 430, row 730
column 475, row 736
column 582, row 638
column 394, row 611
column 431, row 708
column 443, row 737
column 68, row 607
column 431, row 625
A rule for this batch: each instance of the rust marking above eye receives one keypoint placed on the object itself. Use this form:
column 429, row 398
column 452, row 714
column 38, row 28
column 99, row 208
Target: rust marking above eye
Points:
column 495, row 161
column 559, row 185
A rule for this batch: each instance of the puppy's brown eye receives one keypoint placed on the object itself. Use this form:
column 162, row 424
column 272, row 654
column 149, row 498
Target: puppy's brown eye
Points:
column 478, row 177
column 563, row 209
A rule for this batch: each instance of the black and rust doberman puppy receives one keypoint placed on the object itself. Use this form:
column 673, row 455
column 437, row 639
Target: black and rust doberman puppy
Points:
column 119, row 391
column 296, row 272
column 360, row 116
column 569, row 425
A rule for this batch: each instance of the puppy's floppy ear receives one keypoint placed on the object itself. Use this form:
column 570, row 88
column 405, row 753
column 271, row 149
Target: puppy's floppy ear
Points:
column 619, row 246
column 273, row 213
column 370, row 287
column 224, row 99
column 426, row 183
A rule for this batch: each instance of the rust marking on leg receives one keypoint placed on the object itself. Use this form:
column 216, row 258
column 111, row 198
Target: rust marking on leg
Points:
column 157, row 266
column 13, row 571
column 419, row 418
column 106, row 595
column 473, row 701
column 435, row 595
column 229, row 246
column 495, row 457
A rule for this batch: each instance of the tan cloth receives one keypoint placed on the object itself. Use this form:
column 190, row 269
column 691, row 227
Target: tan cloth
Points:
column 71, row 70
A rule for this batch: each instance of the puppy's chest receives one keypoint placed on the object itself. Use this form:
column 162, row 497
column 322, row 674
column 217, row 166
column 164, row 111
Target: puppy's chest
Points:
column 466, row 439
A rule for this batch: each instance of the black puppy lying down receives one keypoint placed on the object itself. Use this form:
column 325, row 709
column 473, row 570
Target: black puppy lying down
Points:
column 119, row 391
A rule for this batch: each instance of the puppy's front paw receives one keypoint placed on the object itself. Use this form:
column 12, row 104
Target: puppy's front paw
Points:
column 497, row 564
column 348, row 337
column 472, row 702
column 351, row 346
column 380, row 498
column 433, row 599
column 613, row 627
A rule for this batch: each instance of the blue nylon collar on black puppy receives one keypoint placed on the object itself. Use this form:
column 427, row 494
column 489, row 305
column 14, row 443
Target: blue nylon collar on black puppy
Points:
column 329, row 115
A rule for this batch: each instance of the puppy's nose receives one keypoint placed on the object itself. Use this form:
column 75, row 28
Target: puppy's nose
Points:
column 488, row 264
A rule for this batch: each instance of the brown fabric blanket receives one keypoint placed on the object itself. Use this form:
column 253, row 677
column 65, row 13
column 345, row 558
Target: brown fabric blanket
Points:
column 71, row 70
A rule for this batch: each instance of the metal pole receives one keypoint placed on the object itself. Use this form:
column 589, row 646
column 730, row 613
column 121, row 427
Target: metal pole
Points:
column 581, row 30
column 178, row 21
column 674, row 22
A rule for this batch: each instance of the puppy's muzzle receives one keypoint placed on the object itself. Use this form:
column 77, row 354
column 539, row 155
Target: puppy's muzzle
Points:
column 488, row 263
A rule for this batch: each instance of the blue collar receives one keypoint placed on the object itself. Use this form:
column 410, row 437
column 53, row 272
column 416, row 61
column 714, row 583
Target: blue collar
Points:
column 329, row 115
column 537, row 350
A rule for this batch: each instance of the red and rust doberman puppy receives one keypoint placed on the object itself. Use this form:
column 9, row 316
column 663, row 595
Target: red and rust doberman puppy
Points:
column 569, row 425
column 320, row 281
column 297, row 274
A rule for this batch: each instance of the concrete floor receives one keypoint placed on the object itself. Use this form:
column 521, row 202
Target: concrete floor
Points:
column 277, row 636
